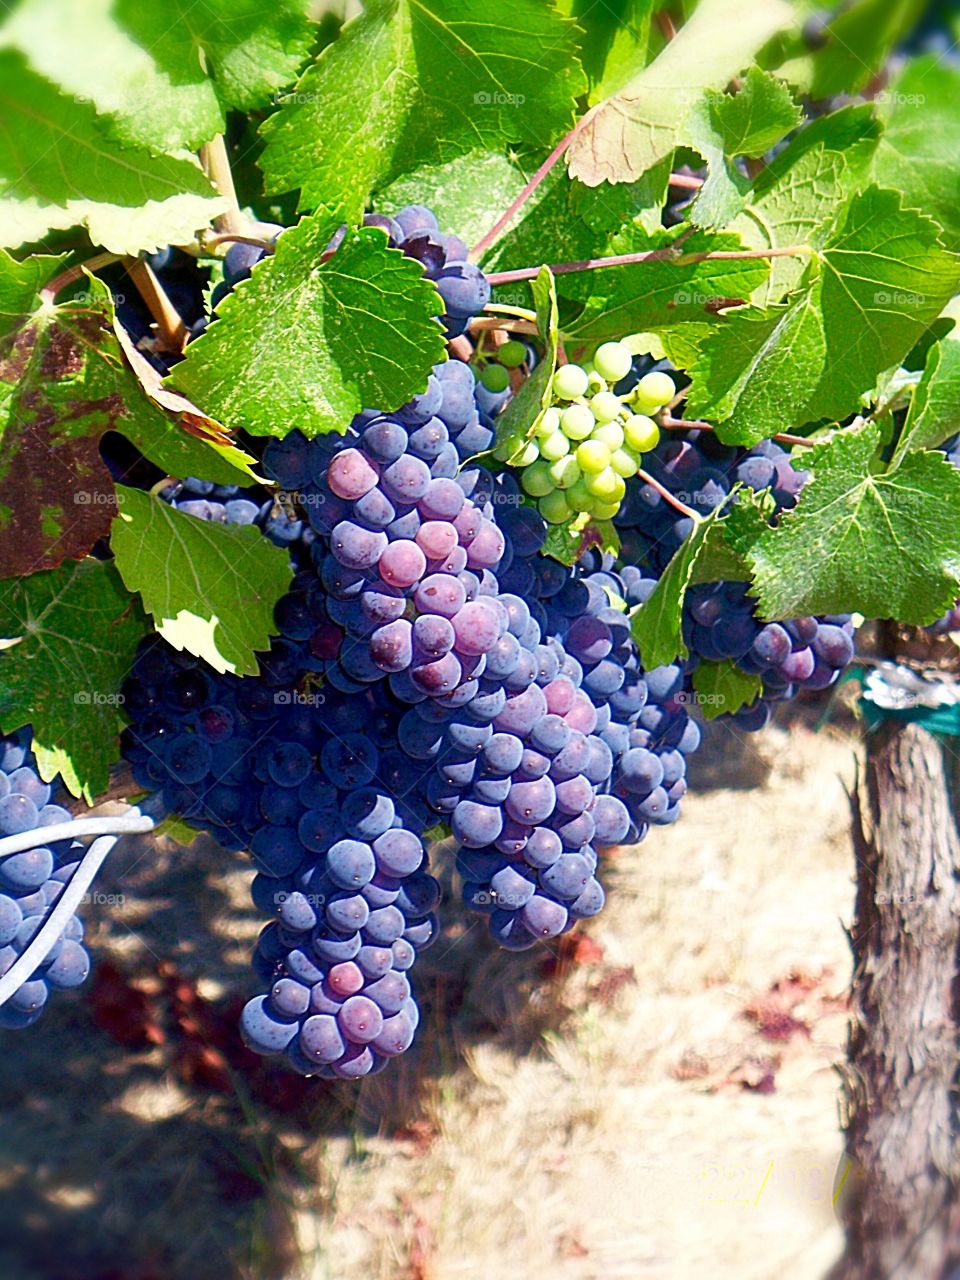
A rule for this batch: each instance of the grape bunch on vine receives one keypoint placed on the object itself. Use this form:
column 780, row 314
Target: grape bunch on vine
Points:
column 399, row 483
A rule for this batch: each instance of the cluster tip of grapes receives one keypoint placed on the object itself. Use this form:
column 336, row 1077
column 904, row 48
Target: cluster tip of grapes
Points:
column 589, row 442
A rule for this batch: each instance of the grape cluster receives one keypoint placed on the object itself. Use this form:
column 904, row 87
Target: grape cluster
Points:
column 404, row 556
column 589, row 442
column 30, row 883
column 229, row 504
column 269, row 765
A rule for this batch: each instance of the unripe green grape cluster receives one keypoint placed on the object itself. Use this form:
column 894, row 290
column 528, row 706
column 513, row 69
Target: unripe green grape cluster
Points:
column 590, row 440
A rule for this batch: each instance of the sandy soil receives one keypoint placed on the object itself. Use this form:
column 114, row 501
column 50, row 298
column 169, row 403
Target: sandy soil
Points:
column 658, row 1099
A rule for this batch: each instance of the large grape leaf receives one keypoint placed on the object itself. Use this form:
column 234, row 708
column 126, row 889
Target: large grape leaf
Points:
column 307, row 344
column 618, row 40
column 63, row 383
column 74, row 630
column 919, row 151
column 866, row 297
column 885, row 544
column 58, row 170
column 163, row 74
column 643, row 123
column 210, row 588
column 411, row 82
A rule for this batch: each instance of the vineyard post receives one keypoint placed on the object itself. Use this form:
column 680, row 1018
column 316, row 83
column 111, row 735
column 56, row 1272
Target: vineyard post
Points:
column 899, row 1195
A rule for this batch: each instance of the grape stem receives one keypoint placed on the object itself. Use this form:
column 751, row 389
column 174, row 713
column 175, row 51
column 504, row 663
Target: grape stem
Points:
column 483, row 323
column 170, row 327
column 689, row 424
column 50, row 290
column 520, row 313
column 686, row 181
column 216, row 165
column 482, row 245
column 73, row 894
column 653, row 255
column 667, row 496
column 236, row 237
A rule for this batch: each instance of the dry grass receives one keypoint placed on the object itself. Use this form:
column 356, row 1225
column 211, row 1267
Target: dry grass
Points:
column 609, row 1121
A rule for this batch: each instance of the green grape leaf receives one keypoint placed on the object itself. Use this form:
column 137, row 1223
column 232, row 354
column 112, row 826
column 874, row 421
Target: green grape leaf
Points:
column 20, row 285
column 934, row 412
column 617, row 41
column 177, row 829
column 58, row 170
column 643, row 122
column 853, row 47
column 523, row 411
column 63, row 383
column 651, row 295
column 161, row 76
column 411, row 82
column 467, row 194
column 722, row 126
column 308, row 344
column 721, row 688
column 210, row 588
column 74, row 632
column 702, row 557
column 797, row 197
column 919, row 150
column 866, row 297
column 884, row 544
column 565, row 221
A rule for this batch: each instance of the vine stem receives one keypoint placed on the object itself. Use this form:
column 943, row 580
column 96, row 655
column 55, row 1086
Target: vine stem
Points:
column 667, row 496
column 50, row 290
column 483, row 323
column 653, row 255
column 216, row 164
column 686, row 181
column 170, row 326
column 690, row 424
column 558, row 151
column 132, row 823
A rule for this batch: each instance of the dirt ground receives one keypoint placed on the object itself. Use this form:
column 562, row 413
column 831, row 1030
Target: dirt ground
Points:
column 656, row 1098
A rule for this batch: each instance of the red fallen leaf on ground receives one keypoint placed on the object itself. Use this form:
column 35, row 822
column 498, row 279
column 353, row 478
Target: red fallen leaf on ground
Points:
column 571, row 950
column 419, row 1134
column 129, row 1013
column 775, row 1024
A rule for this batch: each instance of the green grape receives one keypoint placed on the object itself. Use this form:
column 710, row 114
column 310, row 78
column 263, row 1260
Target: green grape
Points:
column 554, row 447
column 569, row 382
column 593, row 456
column 612, row 361
column 495, row 377
column 554, row 507
column 565, row 471
column 610, row 434
column 653, row 391
column 507, row 447
column 577, row 422
column 512, row 354
column 624, row 463
column 641, row 433
column 549, row 422
column 605, row 406
column 525, row 454
column 605, row 510
column 607, row 485
column 579, row 496
column 595, row 384
column 536, row 480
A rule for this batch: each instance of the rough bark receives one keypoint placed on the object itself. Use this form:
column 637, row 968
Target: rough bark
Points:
column 899, row 1202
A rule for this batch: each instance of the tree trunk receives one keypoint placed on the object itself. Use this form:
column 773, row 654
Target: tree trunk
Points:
column 900, row 1194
